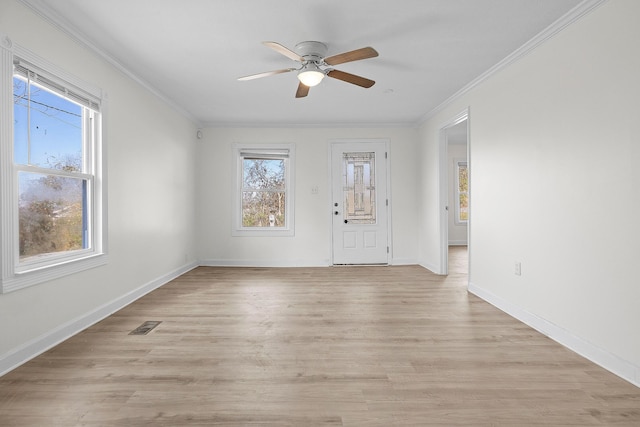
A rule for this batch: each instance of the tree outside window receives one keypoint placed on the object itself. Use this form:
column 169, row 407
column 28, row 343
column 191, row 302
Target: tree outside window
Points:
column 48, row 147
column 263, row 203
column 263, row 192
column 53, row 218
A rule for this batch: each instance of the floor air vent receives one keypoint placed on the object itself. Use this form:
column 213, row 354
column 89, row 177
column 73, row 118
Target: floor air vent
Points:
column 145, row 328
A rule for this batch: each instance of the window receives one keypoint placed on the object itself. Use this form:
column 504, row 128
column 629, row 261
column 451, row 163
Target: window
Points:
column 462, row 193
column 263, row 204
column 52, row 223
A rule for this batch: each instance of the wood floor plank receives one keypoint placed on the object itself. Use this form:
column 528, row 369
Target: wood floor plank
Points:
column 345, row 346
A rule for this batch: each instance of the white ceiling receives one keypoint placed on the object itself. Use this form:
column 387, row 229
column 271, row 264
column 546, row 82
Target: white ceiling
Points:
column 192, row 51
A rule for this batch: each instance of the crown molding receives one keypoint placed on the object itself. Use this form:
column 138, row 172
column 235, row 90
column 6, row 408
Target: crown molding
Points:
column 567, row 19
column 41, row 8
column 319, row 125
column 44, row 11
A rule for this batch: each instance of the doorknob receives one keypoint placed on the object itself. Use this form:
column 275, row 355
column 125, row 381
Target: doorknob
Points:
column 346, row 221
column 336, row 213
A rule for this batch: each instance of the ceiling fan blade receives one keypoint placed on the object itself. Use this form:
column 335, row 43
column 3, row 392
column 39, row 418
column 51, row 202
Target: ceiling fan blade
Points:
column 284, row 51
column 354, row 55
column 351, row 78
column 302, row 91
column 267, row 74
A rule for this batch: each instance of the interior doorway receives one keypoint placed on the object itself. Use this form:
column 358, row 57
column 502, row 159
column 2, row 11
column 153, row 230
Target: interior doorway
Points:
column 454, row 165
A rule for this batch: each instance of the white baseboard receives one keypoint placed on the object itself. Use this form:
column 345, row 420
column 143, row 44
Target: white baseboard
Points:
column 287, row 263
column 263, row 263
column 39, row 345
column 431, row 267
column 457, row 243
column 403, row 261
column 620, row 367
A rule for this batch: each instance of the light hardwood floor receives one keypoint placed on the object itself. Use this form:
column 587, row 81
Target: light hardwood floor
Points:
column 344, row 346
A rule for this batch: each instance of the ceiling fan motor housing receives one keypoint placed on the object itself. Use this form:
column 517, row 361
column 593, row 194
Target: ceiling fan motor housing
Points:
column 311, row 51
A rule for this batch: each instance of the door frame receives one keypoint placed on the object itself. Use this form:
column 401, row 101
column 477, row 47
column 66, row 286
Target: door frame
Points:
column 387, row 206
column 443, row 187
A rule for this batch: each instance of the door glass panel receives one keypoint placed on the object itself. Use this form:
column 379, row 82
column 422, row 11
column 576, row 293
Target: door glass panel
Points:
column 359, row 187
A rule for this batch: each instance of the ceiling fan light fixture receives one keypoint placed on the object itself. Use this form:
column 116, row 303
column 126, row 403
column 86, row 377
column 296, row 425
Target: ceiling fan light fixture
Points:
column 311, row 75
column 315, row 65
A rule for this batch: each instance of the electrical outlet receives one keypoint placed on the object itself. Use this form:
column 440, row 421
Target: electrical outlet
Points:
column 518, row 268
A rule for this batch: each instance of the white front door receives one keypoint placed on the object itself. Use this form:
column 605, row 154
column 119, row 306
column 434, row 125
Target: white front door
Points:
column 360, row 202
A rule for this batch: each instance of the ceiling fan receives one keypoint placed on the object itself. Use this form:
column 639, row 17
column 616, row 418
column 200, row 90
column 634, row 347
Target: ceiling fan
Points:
column 315, row 65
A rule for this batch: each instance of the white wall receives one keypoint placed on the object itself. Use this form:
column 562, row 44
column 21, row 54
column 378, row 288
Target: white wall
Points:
column 151, row 200
column 554, row 155
column 457, row 232
column 554, row 185
column 311, row 244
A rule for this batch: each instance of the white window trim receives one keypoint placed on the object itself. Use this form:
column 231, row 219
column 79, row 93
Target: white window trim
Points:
column 458, row 163
column 273, row 149
column 13, row 276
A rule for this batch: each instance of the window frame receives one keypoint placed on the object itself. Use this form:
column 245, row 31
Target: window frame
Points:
column 16, row 274
column 458, row 220
column 284, row 151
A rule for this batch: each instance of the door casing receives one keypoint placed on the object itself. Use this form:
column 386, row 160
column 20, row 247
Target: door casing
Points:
column 443, row 189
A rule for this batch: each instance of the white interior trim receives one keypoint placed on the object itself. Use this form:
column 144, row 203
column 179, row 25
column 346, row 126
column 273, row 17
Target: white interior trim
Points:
column 55, row 336
column 298, row 125
column 443, row 187
column 14, row 275
column 569, row 18
column 279, row 263
column 285, row 151
column 42, row 9
column 35, row 347
column 622, row 368
column 8, row 187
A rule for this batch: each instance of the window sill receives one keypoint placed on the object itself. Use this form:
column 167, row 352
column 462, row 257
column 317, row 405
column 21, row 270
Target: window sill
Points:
column 23, row 279
column 266, row 232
